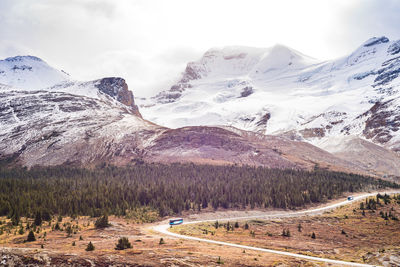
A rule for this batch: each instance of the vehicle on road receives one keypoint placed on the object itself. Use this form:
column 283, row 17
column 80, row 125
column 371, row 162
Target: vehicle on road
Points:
column 175, row 221
column 349, row 198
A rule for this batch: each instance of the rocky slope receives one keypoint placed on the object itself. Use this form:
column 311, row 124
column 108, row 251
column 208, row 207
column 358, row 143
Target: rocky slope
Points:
column 52, row 127
column 279, row 91
column 96, row 122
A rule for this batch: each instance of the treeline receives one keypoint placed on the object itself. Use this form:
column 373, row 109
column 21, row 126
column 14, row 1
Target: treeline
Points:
column 169, row 189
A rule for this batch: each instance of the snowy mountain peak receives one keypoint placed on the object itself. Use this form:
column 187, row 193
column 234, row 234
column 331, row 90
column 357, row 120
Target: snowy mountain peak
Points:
column 233, row 67
column 280, row 57
column 278, row 90
column 242, row 60
column 29, row 72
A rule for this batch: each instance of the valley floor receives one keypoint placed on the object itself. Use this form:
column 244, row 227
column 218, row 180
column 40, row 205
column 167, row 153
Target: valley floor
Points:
column 366, row 238
column 364, row 232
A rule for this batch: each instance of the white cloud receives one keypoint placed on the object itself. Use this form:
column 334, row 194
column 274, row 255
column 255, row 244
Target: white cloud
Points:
column 148, row 42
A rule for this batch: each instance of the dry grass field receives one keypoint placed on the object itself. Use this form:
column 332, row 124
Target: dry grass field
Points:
column 59, row 249
column 348, row 233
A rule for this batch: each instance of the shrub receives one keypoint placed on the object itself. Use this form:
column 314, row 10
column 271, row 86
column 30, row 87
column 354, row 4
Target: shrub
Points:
column 123, row 243
column 102, row 222
column 286, row 233
column 299, row 227
column 21, row 230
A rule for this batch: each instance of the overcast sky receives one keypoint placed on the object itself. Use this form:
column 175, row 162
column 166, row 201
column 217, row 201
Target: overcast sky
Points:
column 149, row 42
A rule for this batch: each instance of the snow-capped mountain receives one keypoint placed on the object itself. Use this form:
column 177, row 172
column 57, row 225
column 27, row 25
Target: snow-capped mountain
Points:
column 280, row 91
column 60, row 120
column 74, row 122
column 29, row 72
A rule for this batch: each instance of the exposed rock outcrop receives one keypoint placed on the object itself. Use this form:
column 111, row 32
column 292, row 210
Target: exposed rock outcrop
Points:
column 118, row 89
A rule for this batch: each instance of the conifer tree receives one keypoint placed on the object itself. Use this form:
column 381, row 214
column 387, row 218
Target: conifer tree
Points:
column 90, row 247
column 31, row 236
column 38, row 218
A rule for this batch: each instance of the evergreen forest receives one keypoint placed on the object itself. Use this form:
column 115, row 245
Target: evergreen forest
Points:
column 167, row 189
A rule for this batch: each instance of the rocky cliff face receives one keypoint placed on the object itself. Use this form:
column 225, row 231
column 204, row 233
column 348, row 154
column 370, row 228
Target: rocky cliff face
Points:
column 118, row 89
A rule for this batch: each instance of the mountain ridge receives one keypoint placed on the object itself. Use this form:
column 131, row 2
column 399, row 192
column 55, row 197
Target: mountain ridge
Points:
column 287, row 97
column 74, row 122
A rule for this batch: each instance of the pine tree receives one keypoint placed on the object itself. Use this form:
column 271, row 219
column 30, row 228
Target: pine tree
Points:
column 31, row 236
column 46, row 216
column 236, row 224
column 69, row 231
column 162, row 242
column 313, row 235
column 38, row 218
column 15, row 219
column 90, row 247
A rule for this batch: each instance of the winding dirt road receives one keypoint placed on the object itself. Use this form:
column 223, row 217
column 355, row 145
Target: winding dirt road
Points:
column 163, row 228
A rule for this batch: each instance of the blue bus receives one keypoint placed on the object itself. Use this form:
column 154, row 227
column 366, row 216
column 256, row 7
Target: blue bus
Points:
column 175, row 221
